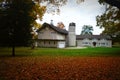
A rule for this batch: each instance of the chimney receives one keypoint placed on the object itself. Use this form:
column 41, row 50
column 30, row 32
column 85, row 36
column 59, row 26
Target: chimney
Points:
column 51, row 22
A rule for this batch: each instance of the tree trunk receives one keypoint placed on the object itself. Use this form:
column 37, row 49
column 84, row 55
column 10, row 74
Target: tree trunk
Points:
column 13, row 44
column 13, row 50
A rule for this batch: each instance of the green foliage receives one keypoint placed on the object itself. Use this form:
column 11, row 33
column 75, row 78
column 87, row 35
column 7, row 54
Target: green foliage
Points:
column 87, row 29
column 110, row 21
column 111, row 2
column 17, row 17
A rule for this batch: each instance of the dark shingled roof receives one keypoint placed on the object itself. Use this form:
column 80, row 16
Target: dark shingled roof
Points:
column 72, row 24
column 80, row 37
column 59, row 30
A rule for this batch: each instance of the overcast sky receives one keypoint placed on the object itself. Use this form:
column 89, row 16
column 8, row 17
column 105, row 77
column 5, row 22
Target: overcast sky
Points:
column 82, row 14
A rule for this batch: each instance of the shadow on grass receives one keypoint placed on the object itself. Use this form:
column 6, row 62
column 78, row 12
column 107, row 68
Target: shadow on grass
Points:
column 19, row 52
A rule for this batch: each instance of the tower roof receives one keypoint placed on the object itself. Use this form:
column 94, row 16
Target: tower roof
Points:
column 72, row 24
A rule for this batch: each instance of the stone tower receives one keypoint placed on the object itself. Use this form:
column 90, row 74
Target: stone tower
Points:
column 71, row 35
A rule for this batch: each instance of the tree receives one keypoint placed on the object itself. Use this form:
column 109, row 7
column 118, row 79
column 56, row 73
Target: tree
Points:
column 17, row 17
column 111, row 2
column 110, row 21
column 60, row 25
column 16, row 20
column 87, row 29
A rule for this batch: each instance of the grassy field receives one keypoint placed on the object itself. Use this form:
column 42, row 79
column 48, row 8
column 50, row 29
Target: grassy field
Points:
column 27, row 51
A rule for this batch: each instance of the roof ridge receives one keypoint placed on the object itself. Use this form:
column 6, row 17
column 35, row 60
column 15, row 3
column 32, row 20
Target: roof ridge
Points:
column 62, row 31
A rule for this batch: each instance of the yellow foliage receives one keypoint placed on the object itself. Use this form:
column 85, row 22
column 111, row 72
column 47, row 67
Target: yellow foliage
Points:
column 37, row 25
column 38, row 11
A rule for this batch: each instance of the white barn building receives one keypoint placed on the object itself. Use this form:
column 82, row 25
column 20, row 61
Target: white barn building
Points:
column 51, row 36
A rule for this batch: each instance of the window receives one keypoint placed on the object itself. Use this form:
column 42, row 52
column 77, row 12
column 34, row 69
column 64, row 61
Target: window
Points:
column 53, row 32
column 53, row 35
column 44, row 42
column 47, row 28
column 54, row 42
column 49, row 42
column 85, row 42
column 106, row 43
column 103, row 44
column 40, row 32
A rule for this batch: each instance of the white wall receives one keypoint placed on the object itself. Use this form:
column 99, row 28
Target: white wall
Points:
column 99, row 43
column 50, row 34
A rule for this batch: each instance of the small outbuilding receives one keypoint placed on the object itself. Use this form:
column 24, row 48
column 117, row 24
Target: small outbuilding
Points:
column 94, row 40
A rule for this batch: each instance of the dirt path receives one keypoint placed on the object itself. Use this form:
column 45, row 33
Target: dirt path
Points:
column 75, row 47
column 60, row 68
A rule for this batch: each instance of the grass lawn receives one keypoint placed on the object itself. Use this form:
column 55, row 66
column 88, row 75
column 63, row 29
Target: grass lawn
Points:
column 27, row 51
